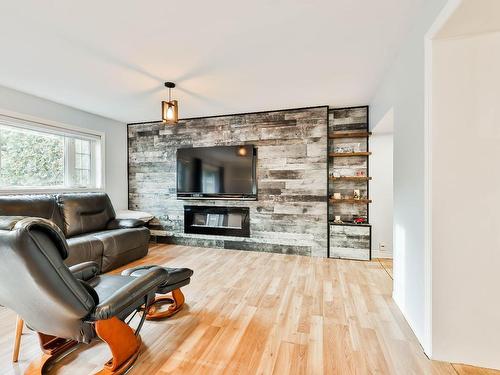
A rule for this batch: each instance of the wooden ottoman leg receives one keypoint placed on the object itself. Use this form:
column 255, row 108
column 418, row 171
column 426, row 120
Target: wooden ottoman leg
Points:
column 17, row 339
column 176, row 301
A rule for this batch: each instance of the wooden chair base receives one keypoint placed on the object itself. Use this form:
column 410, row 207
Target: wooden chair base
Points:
column 175, row 302
column 122, row 342
column 121, row 369
column 53, row 348
column 124, row 367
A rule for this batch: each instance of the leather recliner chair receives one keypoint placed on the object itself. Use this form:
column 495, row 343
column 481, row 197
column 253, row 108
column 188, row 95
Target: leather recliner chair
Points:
column 67, row 306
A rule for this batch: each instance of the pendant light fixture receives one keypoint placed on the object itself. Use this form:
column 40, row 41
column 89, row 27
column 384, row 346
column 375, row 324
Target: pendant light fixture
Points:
column 170, row 109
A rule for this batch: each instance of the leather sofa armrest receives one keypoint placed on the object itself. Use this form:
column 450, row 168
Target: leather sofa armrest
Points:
column 9, row 222
column 85, row 271
column 130, row 294
column 125, row 223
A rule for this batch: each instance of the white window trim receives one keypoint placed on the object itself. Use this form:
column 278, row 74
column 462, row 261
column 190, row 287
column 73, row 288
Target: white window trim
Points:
column 61, row 127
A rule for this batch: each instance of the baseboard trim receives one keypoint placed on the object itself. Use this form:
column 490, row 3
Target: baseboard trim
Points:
column 381, row 254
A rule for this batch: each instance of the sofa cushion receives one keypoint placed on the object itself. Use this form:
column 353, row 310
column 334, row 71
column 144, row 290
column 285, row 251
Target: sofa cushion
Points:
column 84, row 248
column 85, row 213
column 36, row 205
column 125, row 223
column 122, row 246
column 139, row 215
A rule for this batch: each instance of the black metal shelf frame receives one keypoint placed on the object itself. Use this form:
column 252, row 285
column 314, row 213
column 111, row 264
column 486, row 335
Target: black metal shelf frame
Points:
column 329, row 181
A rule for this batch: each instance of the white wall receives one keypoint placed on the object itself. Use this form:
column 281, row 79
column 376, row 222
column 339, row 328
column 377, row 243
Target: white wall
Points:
column 381, row 186
column 466, row 199
column 403, row 89
column 115, row 133
column 446, row 269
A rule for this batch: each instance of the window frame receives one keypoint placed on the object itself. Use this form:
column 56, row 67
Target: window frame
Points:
column 60, row 128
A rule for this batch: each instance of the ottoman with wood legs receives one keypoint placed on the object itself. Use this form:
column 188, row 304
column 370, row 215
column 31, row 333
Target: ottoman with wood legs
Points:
column 169, row 293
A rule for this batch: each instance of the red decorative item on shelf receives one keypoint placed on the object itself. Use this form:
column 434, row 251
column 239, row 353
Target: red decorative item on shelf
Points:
column 360, row 220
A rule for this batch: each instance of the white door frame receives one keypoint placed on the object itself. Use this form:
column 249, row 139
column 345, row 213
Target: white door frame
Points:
column 440, row 21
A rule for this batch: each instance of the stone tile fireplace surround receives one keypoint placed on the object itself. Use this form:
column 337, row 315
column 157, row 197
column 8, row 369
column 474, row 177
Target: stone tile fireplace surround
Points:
column 290, row 215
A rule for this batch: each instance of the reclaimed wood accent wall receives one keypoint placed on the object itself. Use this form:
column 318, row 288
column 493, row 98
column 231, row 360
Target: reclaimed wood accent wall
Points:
column 350, row 241
column 290, row 215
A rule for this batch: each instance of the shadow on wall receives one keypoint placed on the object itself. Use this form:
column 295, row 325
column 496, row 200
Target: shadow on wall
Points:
column 381, row 187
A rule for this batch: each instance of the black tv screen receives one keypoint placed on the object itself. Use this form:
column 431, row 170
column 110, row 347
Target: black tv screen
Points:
column 226, row 172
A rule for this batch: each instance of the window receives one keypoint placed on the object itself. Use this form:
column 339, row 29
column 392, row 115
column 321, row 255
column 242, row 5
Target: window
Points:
column 39, row 156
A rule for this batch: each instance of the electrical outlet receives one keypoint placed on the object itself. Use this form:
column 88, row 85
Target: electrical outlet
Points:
column 381, row 246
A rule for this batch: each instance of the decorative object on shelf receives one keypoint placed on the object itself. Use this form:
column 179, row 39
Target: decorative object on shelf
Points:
column 347, row 148
column 357, row 194
column 336, row 174
column 170, row 108
column 337, row 196
column 360, row 173
column 344, row 172
column 344, row 149
column 338, row 220
column 360, row 220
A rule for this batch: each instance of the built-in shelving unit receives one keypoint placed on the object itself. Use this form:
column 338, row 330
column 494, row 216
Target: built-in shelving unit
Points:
column 348, row 160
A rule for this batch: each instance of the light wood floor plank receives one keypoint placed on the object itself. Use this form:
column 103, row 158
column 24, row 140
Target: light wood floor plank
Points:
column 258, row 313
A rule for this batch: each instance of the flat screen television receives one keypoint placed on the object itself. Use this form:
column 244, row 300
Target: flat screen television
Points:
column 220, row 172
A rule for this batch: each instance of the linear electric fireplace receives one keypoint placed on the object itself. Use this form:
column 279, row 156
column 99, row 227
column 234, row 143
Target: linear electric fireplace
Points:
column 222, row 221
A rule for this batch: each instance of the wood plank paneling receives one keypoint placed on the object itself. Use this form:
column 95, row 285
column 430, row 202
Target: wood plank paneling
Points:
column 290, row 215
column 350, row 241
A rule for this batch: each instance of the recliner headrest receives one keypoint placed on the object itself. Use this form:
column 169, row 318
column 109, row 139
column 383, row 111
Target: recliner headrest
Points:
column 47, row 226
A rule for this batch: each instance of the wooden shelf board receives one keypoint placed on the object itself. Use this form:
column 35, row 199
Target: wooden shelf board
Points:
column 331, row 222
column 350, row 178
column 347, row 154
column 350, row 135
column 357, row 201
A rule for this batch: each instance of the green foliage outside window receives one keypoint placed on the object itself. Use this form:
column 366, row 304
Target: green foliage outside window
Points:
column 29, row 158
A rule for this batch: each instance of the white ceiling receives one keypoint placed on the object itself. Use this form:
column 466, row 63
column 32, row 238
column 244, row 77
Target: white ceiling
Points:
column 472, row 17
column 111, row 57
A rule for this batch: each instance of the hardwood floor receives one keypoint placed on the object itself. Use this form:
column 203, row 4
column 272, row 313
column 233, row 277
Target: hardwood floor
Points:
column 259, row 313
column 386, row 265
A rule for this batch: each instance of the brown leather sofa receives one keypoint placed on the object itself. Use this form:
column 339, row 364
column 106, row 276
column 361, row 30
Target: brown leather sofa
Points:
column 89, row 224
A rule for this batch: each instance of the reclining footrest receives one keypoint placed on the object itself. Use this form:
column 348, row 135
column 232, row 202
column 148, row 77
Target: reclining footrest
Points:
column 179, row 277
